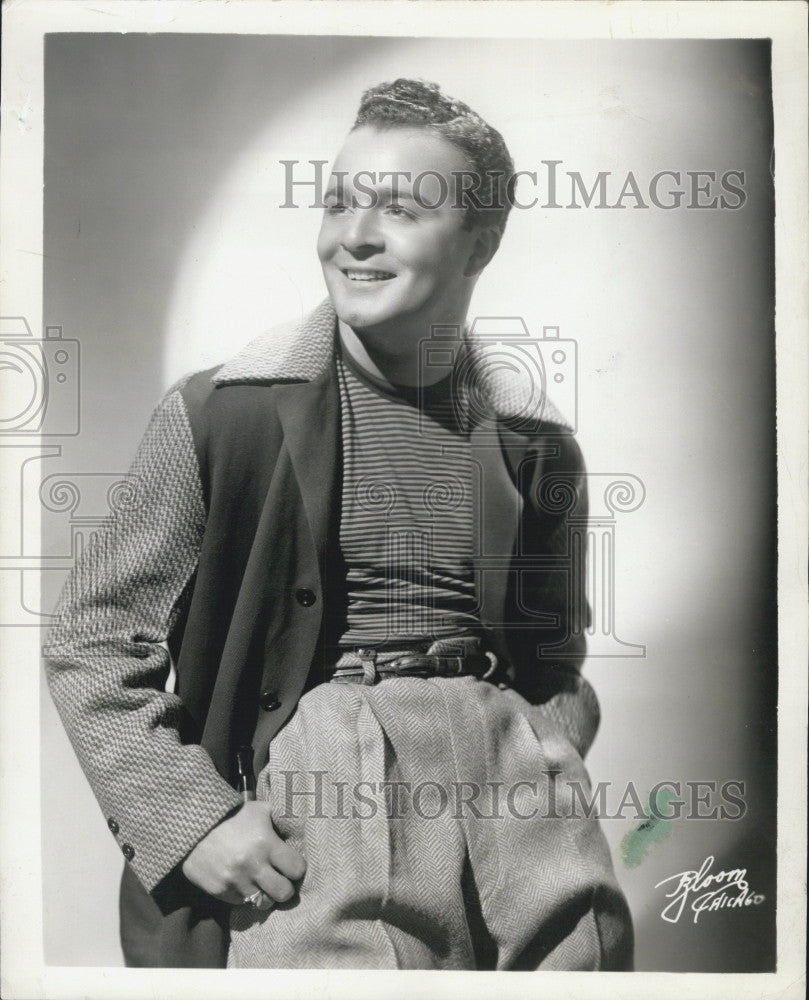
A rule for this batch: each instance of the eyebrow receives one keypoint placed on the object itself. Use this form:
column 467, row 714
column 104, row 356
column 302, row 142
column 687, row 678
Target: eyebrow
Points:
column 380, row 192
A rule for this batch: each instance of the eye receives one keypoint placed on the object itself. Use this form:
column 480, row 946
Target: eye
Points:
column 398, row 211
column 335, row 208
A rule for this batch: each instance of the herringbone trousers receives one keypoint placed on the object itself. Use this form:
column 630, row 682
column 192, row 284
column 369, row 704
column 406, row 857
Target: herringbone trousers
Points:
column 441, row 831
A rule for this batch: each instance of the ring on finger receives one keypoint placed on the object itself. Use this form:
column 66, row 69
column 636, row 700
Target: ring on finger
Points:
column 259, row 899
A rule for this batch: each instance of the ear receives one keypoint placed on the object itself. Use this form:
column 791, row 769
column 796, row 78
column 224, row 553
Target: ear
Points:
column 486, row 243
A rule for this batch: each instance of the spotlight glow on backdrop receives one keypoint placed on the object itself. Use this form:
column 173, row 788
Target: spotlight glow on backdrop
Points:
column 183, row 254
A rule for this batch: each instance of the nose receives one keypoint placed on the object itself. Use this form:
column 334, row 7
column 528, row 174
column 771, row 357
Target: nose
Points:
column 362, row 235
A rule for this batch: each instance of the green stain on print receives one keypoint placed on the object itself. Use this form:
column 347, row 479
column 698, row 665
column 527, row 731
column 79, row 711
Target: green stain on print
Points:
column 652, row 830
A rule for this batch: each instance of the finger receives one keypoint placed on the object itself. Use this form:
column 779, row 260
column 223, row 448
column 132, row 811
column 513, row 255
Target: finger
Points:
column 264, row 903
column 242, row 889
column 233, row 896
column 286, row 859
column 248, row 898
column 259, row 899
column 278, row 888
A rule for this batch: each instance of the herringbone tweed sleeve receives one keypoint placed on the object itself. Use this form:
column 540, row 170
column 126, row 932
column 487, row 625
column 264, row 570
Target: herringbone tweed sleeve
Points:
column 107, row 664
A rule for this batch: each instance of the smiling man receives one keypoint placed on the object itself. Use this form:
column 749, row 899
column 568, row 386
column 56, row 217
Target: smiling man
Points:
column 401, row 257
column 339, row 538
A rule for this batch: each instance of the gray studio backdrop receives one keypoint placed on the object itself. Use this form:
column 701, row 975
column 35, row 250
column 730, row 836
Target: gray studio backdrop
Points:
column 165, row 249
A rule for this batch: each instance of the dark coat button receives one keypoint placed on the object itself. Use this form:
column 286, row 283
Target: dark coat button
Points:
column 269, row 701
column 113, row 825
column 305, row 597
column 128, row 851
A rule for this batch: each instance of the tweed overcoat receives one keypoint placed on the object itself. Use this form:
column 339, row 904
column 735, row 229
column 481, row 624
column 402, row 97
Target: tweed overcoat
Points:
column 220, row 566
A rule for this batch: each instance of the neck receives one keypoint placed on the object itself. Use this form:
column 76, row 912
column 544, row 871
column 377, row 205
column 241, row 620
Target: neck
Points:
column 384, row 356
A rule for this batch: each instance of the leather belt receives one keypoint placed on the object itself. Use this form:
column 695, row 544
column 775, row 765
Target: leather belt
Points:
column 369, row 671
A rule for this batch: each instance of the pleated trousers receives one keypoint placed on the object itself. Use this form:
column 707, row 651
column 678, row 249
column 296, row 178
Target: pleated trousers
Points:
column 445, row 826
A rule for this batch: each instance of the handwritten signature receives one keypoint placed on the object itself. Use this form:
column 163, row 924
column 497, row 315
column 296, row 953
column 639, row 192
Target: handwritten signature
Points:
column 707, row 891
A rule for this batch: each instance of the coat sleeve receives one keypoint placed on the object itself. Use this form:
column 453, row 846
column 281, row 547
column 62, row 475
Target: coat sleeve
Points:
column 107, row 661
column 554, row 529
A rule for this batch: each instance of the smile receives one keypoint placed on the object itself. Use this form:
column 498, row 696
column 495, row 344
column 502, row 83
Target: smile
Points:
column 354, row 275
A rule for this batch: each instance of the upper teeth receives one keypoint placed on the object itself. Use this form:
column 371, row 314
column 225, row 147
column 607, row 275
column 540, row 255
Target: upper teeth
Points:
column 369, row 275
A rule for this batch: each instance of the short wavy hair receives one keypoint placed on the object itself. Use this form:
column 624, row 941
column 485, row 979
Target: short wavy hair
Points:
column 419, row 104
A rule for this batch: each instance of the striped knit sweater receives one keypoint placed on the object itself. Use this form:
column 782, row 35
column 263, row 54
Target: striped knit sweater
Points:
column 406, row 511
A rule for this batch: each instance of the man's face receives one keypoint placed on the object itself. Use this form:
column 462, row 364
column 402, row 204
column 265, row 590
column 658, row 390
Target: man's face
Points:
column 395, row 260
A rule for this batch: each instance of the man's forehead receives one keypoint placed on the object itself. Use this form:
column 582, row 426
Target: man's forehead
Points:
column 403, row 150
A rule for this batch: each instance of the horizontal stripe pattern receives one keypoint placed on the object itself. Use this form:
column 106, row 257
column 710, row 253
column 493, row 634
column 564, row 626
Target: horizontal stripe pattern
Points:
column 406, row 513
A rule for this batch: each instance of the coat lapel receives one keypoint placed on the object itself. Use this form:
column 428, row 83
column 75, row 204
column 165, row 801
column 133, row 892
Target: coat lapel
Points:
column 298, row 358
column 497, row 513
column 309, row 414
column 309, row 411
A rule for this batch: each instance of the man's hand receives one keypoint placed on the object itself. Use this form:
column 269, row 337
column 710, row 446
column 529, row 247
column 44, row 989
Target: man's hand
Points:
column 242, row 854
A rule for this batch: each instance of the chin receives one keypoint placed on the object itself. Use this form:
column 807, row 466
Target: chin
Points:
column 359, row 315
column 354, row 316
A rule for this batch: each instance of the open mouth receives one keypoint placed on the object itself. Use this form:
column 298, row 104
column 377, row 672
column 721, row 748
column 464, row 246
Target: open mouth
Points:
column 367, row 276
